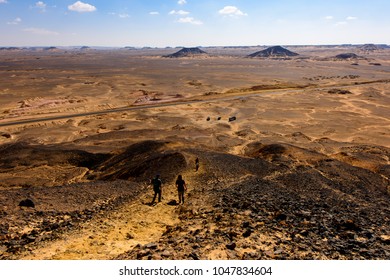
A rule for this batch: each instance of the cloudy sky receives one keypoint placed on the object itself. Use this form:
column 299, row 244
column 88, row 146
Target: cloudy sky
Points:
column 164, row 23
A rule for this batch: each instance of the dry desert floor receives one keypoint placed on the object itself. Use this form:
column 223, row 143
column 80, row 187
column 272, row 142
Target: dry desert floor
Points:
column 294, row 154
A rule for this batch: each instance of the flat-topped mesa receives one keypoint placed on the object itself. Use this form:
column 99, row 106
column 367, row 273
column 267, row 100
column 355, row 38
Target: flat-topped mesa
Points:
column 274, row 52
column 187, row 52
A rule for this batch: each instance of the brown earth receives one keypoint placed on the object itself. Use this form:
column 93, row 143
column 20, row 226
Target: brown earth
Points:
column 294, row 155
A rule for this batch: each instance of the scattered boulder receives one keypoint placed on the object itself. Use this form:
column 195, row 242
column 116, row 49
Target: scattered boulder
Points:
column 231, row 119
column 231, row 246
column 27, row 203
column 172, row 202
column 6, row 135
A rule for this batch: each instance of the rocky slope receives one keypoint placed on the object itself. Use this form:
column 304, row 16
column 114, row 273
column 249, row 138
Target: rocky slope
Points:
column 275, row 201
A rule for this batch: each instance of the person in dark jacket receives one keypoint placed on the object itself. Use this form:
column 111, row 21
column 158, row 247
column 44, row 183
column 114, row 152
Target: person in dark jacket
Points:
column 196, row 164
column 157, row 188
column 181, row 187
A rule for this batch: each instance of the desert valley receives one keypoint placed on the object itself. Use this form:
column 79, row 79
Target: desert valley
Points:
column 293, row 144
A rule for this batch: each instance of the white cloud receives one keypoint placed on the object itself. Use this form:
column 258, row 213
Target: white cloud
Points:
column 40, row 31
column 124, row 16
column 180, row 12
column 81, row 7
column 15, row 21
column 328, row 17
column 41, row 5
column 3, row 1
column 190, row 20
column 231, row 11
column 154, row 13
column 182, row 2
column 351, row 18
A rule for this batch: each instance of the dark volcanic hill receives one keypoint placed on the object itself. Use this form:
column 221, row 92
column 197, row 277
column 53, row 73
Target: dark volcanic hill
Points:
column 373, row 47
column 346, row 56
column 370, row 47
column 187, row 52
column 276, row 51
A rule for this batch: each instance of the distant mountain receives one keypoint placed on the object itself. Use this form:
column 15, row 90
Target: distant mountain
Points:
column 372, row 47
column 276, row 51
column 347, row 56
column 50, row 49
column 187, row 52
column 9, row 49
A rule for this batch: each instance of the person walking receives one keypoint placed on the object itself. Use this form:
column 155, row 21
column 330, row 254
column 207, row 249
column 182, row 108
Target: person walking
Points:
column 181, row 187
column 157, row 188
column 196, row 164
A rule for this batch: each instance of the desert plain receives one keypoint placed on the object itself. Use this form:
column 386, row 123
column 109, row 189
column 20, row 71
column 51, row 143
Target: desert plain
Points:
column 294, row 153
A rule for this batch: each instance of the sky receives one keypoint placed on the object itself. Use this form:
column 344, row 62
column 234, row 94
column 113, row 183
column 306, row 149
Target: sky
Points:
column 170, row 23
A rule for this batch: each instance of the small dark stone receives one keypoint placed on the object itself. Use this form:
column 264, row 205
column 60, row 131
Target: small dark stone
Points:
column 194, row 256
column 27, row 203
column 151, row 246
column 231, row 246
column 280, row 217
column 247, row 233
column 246, row 224
column 172, row 202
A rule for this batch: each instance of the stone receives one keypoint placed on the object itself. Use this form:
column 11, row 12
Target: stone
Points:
column 194, row 256
column 27, row 203
column 247, row 233
column 151, row 246
column 231, row 246
column 172, row 202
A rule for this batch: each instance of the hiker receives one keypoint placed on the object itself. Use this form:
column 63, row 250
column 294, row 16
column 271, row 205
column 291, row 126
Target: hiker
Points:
column 181, row 187
column 157, row 186
column 196, row 164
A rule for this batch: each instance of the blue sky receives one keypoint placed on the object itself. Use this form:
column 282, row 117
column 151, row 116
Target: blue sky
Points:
column 192, row 22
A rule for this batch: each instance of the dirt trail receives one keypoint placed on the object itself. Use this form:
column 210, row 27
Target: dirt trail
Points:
column 118, row 232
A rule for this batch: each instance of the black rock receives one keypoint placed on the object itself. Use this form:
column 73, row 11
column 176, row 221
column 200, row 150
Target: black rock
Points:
column 194, row 256
column 280, row 217
column 151, row 246
column 172, row 202
column 247, row 233
column 27, row 203
column 246, row 224
column 231, row 246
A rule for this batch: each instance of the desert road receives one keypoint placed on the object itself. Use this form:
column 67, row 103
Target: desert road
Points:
column 231, row 96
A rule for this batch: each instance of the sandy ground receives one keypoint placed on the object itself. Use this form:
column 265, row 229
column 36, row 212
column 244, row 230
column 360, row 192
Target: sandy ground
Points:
column 298, row 102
